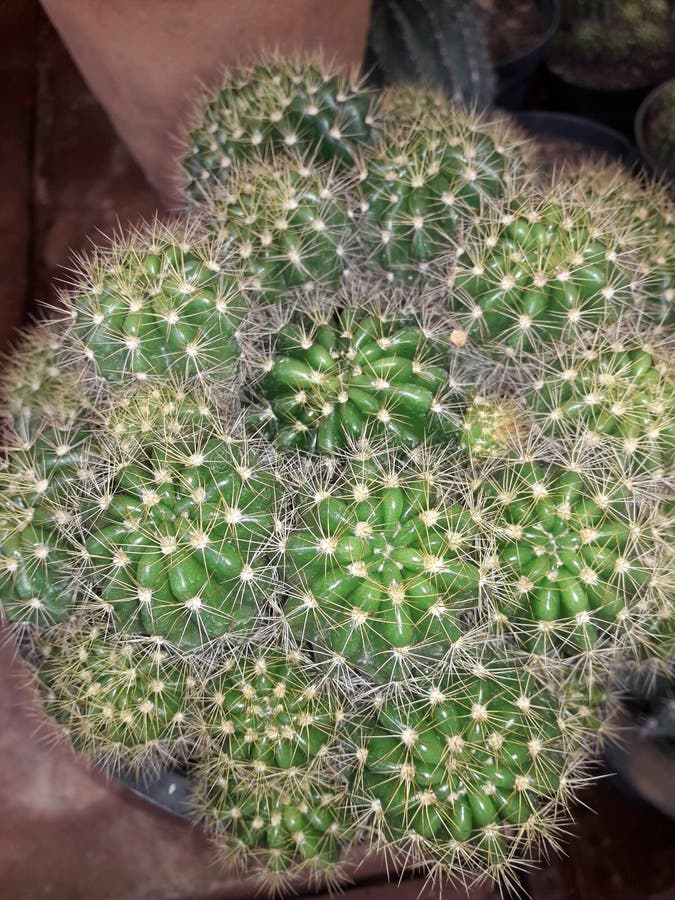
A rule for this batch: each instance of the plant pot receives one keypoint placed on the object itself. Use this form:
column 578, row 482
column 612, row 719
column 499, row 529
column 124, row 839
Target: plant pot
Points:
column 514, row 73
column 615, row 108
column 643, row 770
column 642, row 133
column 561, row 126
column 145, row 59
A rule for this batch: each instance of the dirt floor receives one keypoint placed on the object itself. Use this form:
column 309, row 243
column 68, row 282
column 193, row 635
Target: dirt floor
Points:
column 65, row 832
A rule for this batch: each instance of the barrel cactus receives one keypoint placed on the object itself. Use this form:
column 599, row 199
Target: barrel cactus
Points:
column 123, row 702
column 289, row 223
column 387, row 566
column 646, row 208
column 577, row 554
column 180, row 547
column 162, row 301
column 42, row 486
column 467, row 772
column 266, row 783
column 274, row 107
column 539, row 273
column 428, row 173
column 39, row 385
column 358, row 366
column 615, row 394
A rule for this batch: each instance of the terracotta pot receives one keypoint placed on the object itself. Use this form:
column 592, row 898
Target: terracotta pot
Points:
column 145, row 59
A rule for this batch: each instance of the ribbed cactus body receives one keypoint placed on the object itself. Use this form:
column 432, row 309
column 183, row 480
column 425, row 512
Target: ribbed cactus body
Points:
column 277, row 836
column 269, row 719
column 289, row 224
column 434, row 167
column 273, row 108
column 436, row 43
column 179, row 547
column 266, row 783
column 337, row 377
column 464, row 770
column 382, row 564
column 577, row 554
column 122, row 701
column 646, row 211
column 536, row 277
column 42, row 487
column 617, row 396
column 163, row 302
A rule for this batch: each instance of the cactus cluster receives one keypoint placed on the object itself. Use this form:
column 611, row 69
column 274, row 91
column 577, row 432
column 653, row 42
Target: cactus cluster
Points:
column 618, row 31
column 351, row 493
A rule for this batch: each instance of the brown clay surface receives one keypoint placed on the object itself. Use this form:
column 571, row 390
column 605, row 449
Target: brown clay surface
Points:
column 145, row 60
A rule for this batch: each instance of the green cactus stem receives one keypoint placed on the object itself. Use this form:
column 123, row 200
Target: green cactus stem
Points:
column 178, row 549
column 466, row 772
column 539, row 276
column 122, row 702
column 289, row 224
column 275, row 107
column 163, row 301
column 335, row 375
column 575, row 547
column 432, row 169
column 385, row 566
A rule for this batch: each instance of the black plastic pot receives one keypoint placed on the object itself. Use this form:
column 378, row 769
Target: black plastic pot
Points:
column 514, row 74
column 614, row 108
column 554, row 125
column 643, row 770
column 170, row 791
column 641, row 119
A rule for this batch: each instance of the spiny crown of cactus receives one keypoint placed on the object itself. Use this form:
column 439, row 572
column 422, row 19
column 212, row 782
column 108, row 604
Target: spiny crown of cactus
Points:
column 289, row 223
column 123, row 701
column 576, row 551
column 492, row 426
column 358, row 365
column 613, row 393
column 538, row 273
column 467, row 771
column 179, row 548
column 269, row 717
column 426, row 175
column 38, row 385
column 385, row 565
column 161, row 301
column 274, row 107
